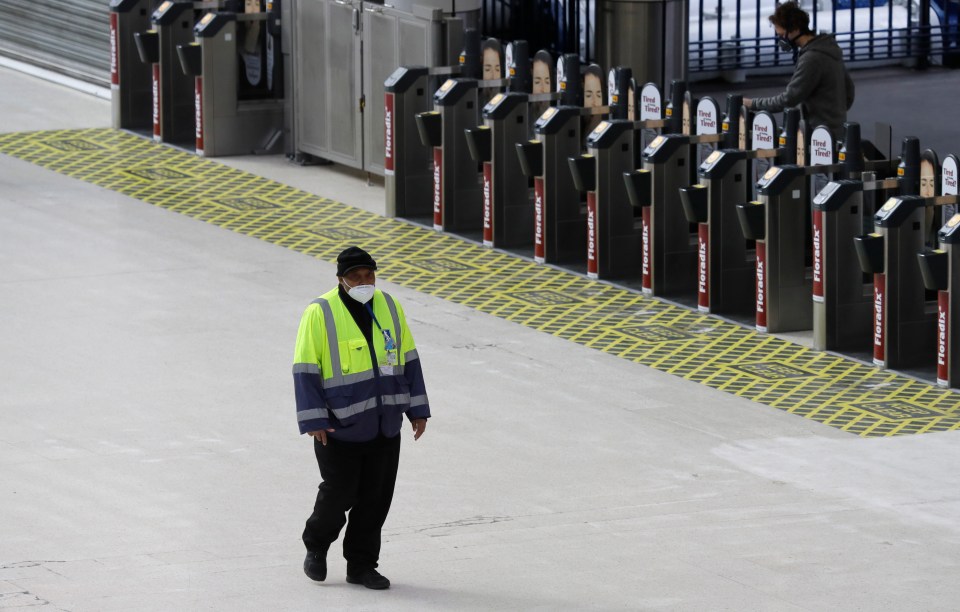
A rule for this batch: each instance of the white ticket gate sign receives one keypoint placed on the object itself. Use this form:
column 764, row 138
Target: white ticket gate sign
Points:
column 708, row 114
column 651, row 107
column 948, row 183
column 708, row 122
column 821, row 153
column 650, row 103
column 763, row 137
column 821, row 147
column 948, row 186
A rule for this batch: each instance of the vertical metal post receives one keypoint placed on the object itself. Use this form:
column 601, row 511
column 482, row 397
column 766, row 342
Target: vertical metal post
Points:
column 923, row 52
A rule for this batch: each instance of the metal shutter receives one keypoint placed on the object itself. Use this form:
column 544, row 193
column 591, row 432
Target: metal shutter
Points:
column 68, row 36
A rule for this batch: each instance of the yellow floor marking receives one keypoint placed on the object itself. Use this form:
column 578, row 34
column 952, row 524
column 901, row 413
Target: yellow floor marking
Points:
column 832, row 390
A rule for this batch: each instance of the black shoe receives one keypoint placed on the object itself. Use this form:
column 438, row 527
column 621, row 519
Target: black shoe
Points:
column 315, row 566
column 371, row 578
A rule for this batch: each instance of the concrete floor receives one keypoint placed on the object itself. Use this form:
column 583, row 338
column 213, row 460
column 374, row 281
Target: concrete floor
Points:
column 149, row 456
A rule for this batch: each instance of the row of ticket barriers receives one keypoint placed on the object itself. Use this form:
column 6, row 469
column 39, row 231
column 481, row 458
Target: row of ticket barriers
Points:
column 792, row 228
column 202, row 75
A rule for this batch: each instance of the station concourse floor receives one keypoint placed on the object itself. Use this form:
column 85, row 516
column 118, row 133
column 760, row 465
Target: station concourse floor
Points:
column 149, row 456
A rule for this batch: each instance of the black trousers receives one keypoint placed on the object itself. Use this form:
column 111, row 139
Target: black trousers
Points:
column 358, row 477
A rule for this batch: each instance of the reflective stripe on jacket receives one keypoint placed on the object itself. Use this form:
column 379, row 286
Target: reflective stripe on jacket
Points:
column 339, row 385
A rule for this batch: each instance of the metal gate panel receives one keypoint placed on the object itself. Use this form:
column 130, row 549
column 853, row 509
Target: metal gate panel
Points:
column 328, row 92
column 68, row 36
column 391, row 38
column 310, row 78
column 343, row 47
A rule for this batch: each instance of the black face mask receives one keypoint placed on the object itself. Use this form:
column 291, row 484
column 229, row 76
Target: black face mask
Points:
column 786, row 44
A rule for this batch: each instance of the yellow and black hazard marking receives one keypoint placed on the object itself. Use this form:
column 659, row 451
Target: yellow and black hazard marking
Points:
column 838, row 392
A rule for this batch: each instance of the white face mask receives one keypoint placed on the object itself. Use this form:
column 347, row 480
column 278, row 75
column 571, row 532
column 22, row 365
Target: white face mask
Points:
column 361, row 293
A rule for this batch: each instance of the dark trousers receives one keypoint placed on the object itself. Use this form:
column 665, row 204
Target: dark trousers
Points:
column 357, row 477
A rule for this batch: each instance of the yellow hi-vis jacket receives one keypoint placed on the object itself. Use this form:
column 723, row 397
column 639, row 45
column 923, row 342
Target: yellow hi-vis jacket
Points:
column 340, row 385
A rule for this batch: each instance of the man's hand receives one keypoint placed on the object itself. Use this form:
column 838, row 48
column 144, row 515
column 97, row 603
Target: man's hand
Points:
column 419, row 425
column 748, row 102
column 321, row 434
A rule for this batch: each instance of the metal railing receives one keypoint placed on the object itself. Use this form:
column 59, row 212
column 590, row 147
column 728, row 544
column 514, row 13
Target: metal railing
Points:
column 560, row 26
column 736, row 34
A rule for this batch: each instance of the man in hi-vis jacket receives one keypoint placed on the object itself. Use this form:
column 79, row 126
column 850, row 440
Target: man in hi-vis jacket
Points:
column 356, row 372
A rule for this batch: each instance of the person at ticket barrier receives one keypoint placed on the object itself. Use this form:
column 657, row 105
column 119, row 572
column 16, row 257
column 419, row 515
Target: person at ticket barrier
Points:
column 820, row 86
column 356, row 373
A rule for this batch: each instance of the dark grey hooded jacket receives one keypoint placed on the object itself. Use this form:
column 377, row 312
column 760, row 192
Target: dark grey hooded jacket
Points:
column 820, row 86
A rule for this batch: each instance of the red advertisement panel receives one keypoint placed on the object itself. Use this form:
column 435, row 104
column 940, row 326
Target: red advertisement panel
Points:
column 879, row 310
column 114, row 51
column 703, row 279
column 592, row 267
column 198, row 105
column 761, row 286
column 487, row 204
column 943, row 355
column 647, row 279
column 818, row 256
column 388, row 142
column 156, row 102
column 438, row 188
column 540, row 221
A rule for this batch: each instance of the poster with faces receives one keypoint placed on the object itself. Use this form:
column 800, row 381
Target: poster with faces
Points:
column 542, row 81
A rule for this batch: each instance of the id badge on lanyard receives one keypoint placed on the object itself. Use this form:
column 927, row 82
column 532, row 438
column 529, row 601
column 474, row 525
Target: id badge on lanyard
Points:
column 389, row 345
column 391, row 349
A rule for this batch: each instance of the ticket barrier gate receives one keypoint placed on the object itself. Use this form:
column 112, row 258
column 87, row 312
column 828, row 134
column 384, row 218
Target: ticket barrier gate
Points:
column 842, row 300
column 560, row 218
column 669, row 254
column 941, row 273
column 560, row 221
column 130, row 81
column 613, row 236
column 726, row 267
column 515, row 217
column 508, row 208
column 646, row 188
column 230, row 118
column 614, row 231
column 904, row 321
column 458, row 188
column 457, row 192
column 777, row 222
column 408, row 164
column 174, row 91
column 409, row 150
column 784, row 274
